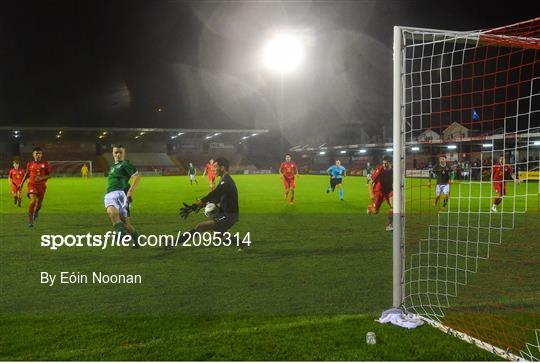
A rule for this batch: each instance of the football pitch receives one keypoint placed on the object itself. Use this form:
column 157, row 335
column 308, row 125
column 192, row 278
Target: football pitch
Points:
column 309, row 287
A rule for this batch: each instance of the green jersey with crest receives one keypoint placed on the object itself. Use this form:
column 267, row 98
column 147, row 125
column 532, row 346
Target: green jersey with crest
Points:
column 119, row 175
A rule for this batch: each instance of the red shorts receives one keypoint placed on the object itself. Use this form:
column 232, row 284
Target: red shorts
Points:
column 211, row 177
column 378, row 201
column 288, row 183
column 14, row 188
column 500, row 188
column 37, row 189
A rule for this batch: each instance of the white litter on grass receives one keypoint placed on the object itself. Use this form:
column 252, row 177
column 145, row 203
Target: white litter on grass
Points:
column 399, row 318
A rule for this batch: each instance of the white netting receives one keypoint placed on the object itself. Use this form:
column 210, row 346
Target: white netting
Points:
column 472, row 97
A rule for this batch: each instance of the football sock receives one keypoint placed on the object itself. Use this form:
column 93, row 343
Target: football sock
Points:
column 444, row 202
column 341, row 194
column 30, row 218
column 31, row 207
column 389, row 218
column 15, row 200
column 119, row 227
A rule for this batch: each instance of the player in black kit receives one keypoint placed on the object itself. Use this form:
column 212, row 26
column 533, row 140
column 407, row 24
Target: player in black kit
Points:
column 224, row 196
column 442, row 171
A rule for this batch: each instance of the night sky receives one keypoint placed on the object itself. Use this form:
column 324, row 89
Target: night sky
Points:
column 193, row 64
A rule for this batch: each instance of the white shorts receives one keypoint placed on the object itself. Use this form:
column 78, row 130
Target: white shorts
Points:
column 191, row 176
column 442, row 189
column 117, row 199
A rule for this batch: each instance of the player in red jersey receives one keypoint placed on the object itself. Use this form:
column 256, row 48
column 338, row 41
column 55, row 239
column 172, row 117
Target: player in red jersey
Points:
column 16, row 176
column 210, row 170
column 38, row 171
column 380, row 190
column 288, row 172
column 501, row 173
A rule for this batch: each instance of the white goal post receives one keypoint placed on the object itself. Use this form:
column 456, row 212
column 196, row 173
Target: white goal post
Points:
column 469, row 267
column 69, row 168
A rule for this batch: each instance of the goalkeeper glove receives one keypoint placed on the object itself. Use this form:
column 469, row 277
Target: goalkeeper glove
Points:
column 186, row 210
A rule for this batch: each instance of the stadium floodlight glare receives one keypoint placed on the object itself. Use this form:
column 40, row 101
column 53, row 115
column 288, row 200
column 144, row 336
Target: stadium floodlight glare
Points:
column 16, row 132
column 253, row 134
column 59, row 132
column 487, row 145
column 343, row 152
column 58, row 136
column 415, row 148
column 390, row 149
column 180, row 134
column 451, row 147
column 245, row 137
column 100, row 136
column 174, row 137
column 283, row 53
column 16, row 135
column 536, row 143
column 363, row 151
column 322, row 152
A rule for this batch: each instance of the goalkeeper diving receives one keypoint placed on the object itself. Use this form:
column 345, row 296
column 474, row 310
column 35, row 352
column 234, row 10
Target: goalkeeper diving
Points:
column 225, row 198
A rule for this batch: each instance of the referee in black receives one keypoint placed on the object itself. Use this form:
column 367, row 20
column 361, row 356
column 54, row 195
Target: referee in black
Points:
column 225, row 196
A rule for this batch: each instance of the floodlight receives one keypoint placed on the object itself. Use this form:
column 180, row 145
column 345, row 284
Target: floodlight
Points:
column 487, row 145
column 283, row 53
column 415, row 148
column 390, row 149
column 363, row 151
column 452, row 147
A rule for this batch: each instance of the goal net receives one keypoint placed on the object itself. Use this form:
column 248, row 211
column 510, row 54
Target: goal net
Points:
column 63, row 168
column 470, row 265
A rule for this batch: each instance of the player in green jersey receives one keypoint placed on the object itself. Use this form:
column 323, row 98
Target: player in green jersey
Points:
column 192, row 172
column 117, row 200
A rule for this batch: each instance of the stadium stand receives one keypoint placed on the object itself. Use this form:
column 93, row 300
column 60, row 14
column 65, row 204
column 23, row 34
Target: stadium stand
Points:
column 150, row 163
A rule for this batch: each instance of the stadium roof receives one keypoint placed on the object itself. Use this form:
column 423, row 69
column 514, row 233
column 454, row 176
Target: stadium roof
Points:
column 103, row 134
column 127, row 129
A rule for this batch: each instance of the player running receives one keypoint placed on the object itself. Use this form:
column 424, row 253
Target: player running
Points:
column 337, row 173
column 15, row 179
column 38, row 172
column 225, row 196
column 368, row 170
column 210, row 170
column 192, row 172
column 288, row 172
column 380, row 190
column 118, row 199
column 84, row 171
column 501, row 172
column 443, row 173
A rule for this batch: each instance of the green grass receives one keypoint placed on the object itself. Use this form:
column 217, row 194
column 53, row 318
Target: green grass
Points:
column 309, row 288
